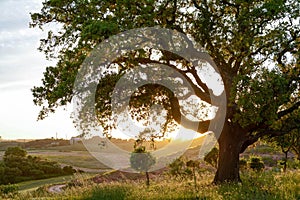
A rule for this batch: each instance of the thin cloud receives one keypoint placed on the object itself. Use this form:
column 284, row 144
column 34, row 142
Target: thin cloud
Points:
column 22, row 67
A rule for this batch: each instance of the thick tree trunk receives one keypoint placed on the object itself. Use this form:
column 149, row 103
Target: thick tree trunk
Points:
column 229, row 149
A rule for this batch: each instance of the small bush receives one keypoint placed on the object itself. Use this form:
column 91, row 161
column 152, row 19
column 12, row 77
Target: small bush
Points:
column 293, row 164
column 9, row 189
column 243, row 163
column 280, row 164
column 256, row 163
column 212, row 157
column 179, row 169
column 68, row 170
column 269, row 161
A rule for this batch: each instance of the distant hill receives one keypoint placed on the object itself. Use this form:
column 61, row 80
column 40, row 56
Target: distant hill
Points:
column 64, row 145
column 4, row 144
column 44, row 143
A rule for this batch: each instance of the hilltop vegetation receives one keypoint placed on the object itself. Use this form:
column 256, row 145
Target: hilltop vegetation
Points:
column 44, row 143
column 265, row 185
column 34, row 144
column 17, row 166
column 177, row 181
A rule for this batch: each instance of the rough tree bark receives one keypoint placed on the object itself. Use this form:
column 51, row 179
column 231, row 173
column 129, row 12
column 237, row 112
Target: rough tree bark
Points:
column 230, row 143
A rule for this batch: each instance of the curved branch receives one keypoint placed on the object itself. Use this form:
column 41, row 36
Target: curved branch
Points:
column 193, row 71
column 202, row 126
column 198, row 92
column 289, row 110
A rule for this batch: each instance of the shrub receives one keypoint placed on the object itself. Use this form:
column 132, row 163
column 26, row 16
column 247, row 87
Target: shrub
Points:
column 256, row 163
column 243, row 163
column 178, row 169
column 11, row 175
column 7, row 189
column 212, row 157
column 36, row 173
column 68, row 170
column 269, row 161
column 293, row 164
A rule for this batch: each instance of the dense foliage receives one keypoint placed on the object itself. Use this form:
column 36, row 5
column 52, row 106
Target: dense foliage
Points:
column 17, row 167
column 212, row 157
column 254, row 44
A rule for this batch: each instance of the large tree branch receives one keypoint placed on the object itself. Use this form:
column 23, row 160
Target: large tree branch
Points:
column 201, row 126
column 193, row 71
column 288, row 47
column 198, row 92
column 262, row 125
column 254, row 138
column 197, row 5
column 262, row 130
column 248, row 142
column 251, row 139
column 288, row 110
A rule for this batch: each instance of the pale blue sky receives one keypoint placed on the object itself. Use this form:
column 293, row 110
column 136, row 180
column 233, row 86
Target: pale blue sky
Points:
column 21, row 68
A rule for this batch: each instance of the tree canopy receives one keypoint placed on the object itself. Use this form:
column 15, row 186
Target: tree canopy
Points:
column 17, row 167
column 254, row 44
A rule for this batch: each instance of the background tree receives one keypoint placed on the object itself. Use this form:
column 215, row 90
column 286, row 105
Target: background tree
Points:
column 194, row 166
column 212, row 157
column 14, row 156
column 287, row 143
column 2, row 172
column 141, row 161
column 255, row 45
column 17, row 167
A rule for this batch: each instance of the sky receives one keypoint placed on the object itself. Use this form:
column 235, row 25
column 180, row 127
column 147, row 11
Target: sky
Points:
column 21, row 68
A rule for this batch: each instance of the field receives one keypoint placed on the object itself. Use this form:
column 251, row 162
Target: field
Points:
column 78, row 157
column 35, row 184
column 267, row 185
column 271, row 183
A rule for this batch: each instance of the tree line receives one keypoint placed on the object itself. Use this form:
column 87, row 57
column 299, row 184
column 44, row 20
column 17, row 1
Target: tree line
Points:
column 17, row 166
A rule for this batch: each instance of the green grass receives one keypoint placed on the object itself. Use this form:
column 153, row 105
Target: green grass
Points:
column 265, row 186
column 74, row 158
column 260, row 186
column 74, row 147
column 85, row 161
column 31, row 185
column 262, row 149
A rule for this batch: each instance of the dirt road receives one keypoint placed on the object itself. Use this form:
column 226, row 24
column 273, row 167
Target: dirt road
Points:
column 56, row 188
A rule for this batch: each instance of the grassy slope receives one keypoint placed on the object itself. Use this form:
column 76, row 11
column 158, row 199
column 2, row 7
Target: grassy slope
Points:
column 73, row 158
column 77, row 155
column 260, row 186
column 31, row 185
column 267, row 185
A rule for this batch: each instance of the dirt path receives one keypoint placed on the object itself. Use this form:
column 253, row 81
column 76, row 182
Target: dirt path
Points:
column 56, row 188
